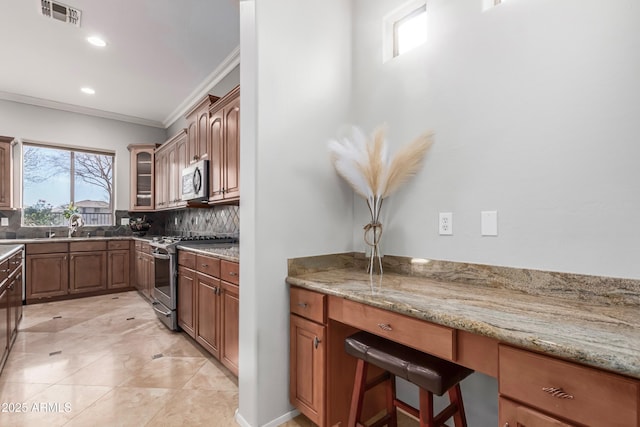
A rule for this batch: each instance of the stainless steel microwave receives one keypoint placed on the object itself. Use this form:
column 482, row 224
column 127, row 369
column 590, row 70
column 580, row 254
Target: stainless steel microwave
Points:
column 195, row 181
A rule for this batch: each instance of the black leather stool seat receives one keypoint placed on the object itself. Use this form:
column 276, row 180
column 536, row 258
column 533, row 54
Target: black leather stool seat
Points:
column 428, row 372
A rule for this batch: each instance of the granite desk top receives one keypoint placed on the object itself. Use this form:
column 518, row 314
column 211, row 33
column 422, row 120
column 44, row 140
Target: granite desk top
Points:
column 8, row 250
column 595, row 326
column 226, row 251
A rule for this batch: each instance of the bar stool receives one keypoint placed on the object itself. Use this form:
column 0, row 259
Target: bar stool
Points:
column 431, row 374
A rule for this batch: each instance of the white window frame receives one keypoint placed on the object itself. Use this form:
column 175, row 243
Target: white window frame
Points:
column 389, row 42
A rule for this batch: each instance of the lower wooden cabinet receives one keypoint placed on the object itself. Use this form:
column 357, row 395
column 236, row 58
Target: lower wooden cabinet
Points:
column 4, row 327
column 564, row 390
column 10, row 303
column 144, row 266
column 47, row 275
column 208, row 306
column 230, row 314
column 187, row 300
column 208, row 313
column 512, row 414
column 83, row 267
column 87, row 272
column 307, row 368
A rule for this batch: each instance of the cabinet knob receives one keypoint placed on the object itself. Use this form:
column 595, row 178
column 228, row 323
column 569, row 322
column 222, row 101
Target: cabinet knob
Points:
column 316, row 342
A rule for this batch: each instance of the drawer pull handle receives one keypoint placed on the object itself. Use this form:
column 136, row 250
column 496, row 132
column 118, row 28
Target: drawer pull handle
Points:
column 557, row 392
column 205, row 265
column 385, row 326
column 302, row 304
column 316, row 342
column 233, row 273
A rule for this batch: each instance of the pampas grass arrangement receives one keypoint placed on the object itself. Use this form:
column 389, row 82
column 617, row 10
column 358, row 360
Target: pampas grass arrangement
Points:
column 364, row 163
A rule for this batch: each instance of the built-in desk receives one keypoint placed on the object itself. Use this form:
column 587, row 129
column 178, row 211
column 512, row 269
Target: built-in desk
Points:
column 565, row 348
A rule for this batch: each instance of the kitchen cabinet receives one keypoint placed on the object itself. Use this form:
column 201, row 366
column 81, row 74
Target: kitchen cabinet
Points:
column 209, row 304
column 198, row 130
column 118, row 271
column 208, row 313
column 171, row 158
column 4, row 327
column 555, row 392
column 307, row 353
column 10, row 303
column 224, row 165
column 144, row 269
column 142, row 168
column 47, row 271
column 59, row 270
column 6, row 172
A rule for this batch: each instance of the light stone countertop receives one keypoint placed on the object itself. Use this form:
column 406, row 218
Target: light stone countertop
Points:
column 589, row 331
column 61, row 239
column 8, row 250
column 226, row 251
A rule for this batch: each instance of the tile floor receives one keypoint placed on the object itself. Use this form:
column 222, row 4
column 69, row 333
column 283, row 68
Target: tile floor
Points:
column 107, row 361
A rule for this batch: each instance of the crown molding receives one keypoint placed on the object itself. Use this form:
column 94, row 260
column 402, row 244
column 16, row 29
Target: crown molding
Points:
column 41, row 102
column 221, row 71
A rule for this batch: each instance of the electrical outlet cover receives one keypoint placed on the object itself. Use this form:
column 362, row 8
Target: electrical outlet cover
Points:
column 489, row 223
column 4, row 222
column 445, row 223
column 124, row 221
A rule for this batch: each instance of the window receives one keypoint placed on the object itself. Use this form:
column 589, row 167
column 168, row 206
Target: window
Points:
column 59, row 181
column 405, row 29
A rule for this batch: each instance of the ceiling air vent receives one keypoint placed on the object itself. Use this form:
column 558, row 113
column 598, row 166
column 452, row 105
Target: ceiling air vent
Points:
column 61, row 12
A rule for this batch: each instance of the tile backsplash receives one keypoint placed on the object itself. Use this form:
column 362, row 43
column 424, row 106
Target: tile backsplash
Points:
column 183, row 222
column 203, row 222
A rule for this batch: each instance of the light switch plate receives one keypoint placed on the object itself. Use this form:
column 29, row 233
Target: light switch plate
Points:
column 489, row 223
column 4, row 222
column 124, row 221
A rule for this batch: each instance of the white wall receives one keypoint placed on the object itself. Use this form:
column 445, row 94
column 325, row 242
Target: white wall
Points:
column 61, row 127
column 535, row 106
column 295, row 80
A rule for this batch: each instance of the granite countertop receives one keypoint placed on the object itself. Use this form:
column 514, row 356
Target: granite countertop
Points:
column 8, row 250
column 585, row 327
column 61, row 239
column 226, row 251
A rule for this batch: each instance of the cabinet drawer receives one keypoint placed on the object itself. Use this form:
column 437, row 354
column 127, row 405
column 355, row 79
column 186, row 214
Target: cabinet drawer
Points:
column 598, row 397
column 229, row 271
column 308, row 304
column 419, row 334
column 47, row 248
column 515, row 414
column 208, row 265
column 138, row 245
column 187, row 259
column 87, row 246
column 118, row 244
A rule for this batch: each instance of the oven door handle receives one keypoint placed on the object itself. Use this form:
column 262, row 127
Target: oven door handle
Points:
column 164, row 313
column 160, row 256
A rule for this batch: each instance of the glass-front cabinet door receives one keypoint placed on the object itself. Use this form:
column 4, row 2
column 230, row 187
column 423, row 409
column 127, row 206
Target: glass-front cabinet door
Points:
column 142, row 178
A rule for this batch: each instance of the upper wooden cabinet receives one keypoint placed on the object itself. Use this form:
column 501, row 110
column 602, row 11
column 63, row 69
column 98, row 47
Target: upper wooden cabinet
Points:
column 171, row 158
column 142, row 177
column 198, row 130
column 224, row 165
column 6, row 174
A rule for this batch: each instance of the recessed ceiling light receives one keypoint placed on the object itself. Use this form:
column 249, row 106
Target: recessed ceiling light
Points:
column 96, row 41
column 88, row 90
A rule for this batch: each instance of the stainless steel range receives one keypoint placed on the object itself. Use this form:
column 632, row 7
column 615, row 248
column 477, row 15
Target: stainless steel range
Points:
column 165, row 290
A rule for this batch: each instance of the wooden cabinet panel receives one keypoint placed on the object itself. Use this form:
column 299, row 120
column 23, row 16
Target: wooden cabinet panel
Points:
column 208, row 313
column 434, row 339
column 14, row 287
column 187, row 259
column 308, row 304
column 87, row 246
column 47, row 248
column 87, row 271
column 198, row 129
column 224, row 134
column 230, row 314
column 208, row 265
column 477, row 352
column 142, row 177
column 47, row 275
column 307, row 368
column 597, row 397
column 118, row 269
column 6, row 174
column 230, row 271
column 187, row 300
column 118, row 245
column 4, row 327
column 516, row 415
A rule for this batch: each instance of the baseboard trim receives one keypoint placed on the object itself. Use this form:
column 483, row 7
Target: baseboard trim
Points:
column 274, row 423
